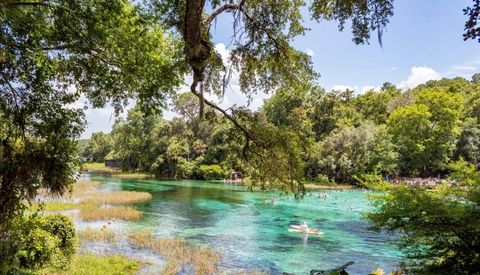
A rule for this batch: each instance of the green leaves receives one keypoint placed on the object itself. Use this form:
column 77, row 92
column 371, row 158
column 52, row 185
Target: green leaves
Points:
column 439, row 227
column 366, row 16
column 426, row 130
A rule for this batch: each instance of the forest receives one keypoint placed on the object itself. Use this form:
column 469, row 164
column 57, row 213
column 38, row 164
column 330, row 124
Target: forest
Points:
column 339, row 136
column 359, row 151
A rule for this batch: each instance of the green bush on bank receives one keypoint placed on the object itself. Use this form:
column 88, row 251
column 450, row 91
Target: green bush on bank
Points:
column 210, row 172
column 34, row 241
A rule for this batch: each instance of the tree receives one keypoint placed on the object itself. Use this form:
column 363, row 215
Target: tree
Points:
column 373, row 105
column 349, row 151
column 134, row 141
column 327, row 111
column 468, row 143
column 439, row 228
column 280, row 105
column 426, row 130
column 53, row 51
column 472, row 28
column 261, row 46
column 98, row 147
column 476, row 78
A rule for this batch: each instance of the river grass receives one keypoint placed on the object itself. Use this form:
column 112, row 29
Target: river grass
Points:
column 99, row 167
column 94, row 264
column 177, row 252
column 95, row 205
column 91, row 234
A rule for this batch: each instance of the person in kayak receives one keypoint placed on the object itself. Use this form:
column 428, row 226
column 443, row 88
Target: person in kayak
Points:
column 303, row 226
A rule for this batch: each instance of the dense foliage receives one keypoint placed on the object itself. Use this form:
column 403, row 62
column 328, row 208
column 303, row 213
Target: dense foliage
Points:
column 53, row 52
column 330, row 135
column 33, row 241
column 440, row 227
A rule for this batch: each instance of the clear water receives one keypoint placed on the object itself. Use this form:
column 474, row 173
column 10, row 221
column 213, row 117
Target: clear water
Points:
column 252, row 234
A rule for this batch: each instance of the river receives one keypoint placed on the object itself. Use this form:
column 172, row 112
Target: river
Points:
column 252, row 233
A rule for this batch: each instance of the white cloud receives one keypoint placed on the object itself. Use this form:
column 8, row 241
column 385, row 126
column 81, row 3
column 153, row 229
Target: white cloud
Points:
column 392, row 69
column 465, row 69
column 344, row 88
column 357, row 90
column 309, row 51
column 419, row 75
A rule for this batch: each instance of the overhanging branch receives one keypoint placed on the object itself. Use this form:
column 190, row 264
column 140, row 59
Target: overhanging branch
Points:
column 248, row 135
column 218, row 11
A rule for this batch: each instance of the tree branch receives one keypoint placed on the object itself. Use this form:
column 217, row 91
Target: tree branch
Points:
column 230, row 117
column 223, row 8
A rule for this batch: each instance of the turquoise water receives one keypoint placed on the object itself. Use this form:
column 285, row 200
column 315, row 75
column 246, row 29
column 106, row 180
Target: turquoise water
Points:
column 251, row 233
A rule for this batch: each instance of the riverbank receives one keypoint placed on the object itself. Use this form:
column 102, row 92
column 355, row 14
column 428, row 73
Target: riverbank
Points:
column 100, row 168
column 313, row 186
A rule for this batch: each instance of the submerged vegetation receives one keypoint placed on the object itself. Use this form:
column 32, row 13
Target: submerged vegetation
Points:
column 90, row 234
column 96, row 205
column 179, row 254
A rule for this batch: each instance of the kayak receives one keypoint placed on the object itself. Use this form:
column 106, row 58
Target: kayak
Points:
column 297, row 229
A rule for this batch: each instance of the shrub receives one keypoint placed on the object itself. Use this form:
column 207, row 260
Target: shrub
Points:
column 62, row 227
column 36, row 247
column 34, row 241
column 211, row 172
column 322, row 179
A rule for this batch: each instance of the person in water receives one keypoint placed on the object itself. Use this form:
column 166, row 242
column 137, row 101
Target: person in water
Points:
column 303, row 226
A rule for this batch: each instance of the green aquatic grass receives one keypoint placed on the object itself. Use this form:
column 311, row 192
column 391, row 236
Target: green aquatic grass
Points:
column 56, row 206
column 90, row 234
column 94, row 264
column 95, row 166
column 117, row 173
column 178, row 253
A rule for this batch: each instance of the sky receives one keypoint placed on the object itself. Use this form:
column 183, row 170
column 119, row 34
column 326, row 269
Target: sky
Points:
column 423, row 41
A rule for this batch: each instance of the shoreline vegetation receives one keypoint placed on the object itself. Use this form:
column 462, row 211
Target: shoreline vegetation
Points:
column 99, row 167
column 95, row 205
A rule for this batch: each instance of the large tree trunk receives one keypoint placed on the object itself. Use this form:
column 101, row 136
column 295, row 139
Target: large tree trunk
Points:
column 197, row 46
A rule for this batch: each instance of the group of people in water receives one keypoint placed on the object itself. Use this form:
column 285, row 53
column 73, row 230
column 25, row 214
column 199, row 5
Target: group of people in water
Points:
column 418, row 182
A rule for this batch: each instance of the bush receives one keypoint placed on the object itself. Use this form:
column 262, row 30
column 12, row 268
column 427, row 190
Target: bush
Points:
column 34, row 241
column 210, row 172
column 322, row 179
column 62, row 227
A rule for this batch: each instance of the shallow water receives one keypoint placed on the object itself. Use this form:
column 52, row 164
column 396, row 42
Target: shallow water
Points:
column 252, row 234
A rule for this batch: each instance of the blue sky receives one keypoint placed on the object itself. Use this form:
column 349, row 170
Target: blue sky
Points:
column 423, row 41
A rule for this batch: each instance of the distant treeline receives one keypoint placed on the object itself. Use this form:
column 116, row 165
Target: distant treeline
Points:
column 414, row 132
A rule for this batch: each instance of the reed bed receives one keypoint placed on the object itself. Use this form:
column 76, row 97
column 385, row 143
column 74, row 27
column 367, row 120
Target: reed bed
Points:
column 91, row 212
column 85, row 186
column 119, row 198
column 91, row 234
column 177, row 252
column 55, row 206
